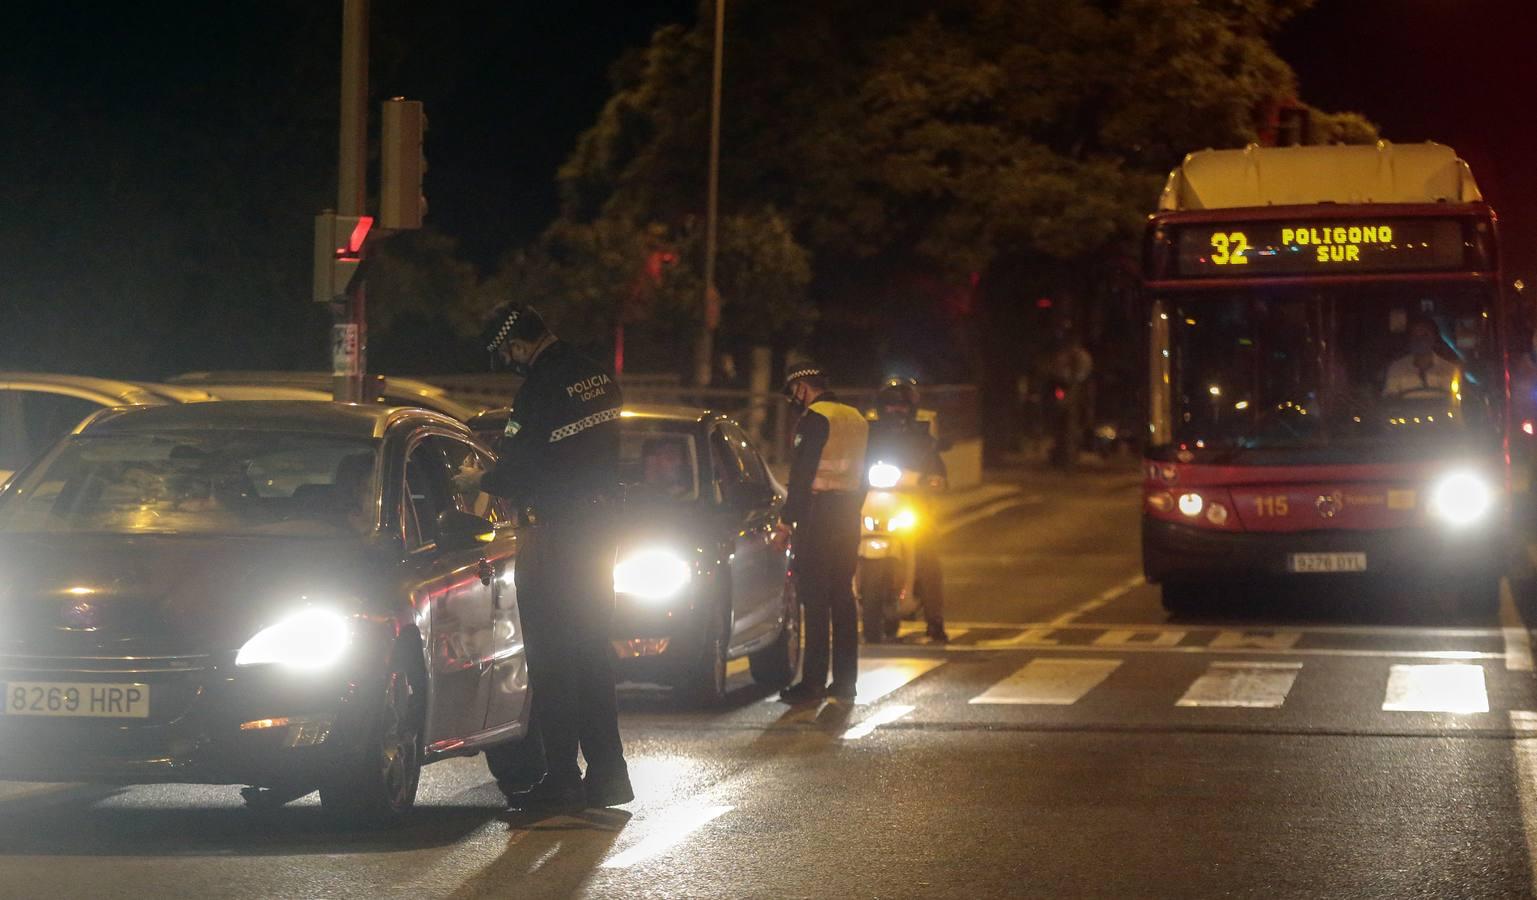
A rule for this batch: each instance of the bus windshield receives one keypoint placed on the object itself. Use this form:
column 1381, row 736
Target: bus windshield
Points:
column 1310, row 375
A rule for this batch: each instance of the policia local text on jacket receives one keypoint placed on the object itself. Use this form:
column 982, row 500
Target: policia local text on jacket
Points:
column 827, row 492
column 559, row 457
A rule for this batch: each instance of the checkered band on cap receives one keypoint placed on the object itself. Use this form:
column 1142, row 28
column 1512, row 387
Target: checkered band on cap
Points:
column 803, row 371
column 499, row 337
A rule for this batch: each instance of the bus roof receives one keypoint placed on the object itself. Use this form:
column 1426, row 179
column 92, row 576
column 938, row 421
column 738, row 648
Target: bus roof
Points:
column 1295, row 176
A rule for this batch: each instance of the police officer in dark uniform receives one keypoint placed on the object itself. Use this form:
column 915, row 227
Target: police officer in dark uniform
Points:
column 898, row 435
column 559, row 460
column 827, row 477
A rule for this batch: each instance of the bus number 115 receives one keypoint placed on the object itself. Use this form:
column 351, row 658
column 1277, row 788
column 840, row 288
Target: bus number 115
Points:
column 1272, row 507
column 1230, row 248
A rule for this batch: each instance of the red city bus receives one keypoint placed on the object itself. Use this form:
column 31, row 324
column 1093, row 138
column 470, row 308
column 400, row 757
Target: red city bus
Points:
column 1328, row 380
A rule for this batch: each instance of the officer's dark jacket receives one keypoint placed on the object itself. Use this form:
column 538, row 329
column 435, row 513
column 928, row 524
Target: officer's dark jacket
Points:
column 906, row 443
column 829, row 455
column 560, row 450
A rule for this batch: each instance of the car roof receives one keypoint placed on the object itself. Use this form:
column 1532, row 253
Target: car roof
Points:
column 645, row 411
column 319, row 417
column 412, row 390
column 103, row 390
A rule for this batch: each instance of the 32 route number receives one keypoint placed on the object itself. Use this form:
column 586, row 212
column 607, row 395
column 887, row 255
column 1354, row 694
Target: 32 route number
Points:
column 1230, row 248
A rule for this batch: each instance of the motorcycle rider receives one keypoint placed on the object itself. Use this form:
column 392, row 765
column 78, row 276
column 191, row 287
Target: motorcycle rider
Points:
column 900, row 437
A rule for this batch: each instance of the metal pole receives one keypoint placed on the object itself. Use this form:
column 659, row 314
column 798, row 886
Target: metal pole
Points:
column 352, row 172
column 704, row 352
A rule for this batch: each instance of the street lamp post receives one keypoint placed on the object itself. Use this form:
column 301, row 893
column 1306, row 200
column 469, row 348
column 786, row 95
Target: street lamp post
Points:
column 704, row 350
column 351, row 186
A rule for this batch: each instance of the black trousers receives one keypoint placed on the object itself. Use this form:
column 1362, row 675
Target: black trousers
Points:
column 826, row 552
column 565, row 581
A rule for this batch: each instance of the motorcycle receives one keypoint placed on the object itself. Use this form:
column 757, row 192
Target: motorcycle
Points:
column 894, row 521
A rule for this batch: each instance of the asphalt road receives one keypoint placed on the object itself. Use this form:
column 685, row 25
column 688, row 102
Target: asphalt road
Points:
column 1071, row 741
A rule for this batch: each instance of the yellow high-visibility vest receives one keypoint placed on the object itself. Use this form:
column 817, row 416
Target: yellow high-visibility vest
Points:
column 842, row 466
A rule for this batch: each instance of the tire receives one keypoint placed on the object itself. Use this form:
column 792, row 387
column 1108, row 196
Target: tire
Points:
column 1183, row 598
column 378, row 787
column 703, row 683
column 876, row 581
column 777, row 664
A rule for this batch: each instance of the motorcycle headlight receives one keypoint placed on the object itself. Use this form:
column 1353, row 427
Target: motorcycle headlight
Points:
column 904, row 520
column 884, row 476
column 1461, row 499
column 312, row 639
column 652, row 575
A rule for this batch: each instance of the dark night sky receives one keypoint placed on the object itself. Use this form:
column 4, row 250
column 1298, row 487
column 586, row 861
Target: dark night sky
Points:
column 508, row 86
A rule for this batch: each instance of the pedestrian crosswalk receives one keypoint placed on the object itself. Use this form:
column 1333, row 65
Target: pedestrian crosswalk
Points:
column 1117, row 686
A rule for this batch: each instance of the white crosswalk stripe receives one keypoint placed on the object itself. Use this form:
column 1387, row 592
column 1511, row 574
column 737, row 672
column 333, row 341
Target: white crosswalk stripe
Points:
column 1053, row 682
column 1456, row 688
column 1253, row 685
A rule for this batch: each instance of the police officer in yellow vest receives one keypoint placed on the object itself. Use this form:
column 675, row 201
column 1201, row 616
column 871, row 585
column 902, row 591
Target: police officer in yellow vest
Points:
column 827, row 491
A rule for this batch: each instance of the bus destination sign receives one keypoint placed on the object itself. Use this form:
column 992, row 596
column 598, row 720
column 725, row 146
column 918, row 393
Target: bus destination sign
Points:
column 1337, row 247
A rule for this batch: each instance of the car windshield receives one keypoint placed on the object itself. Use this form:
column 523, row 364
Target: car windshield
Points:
column 1307, row 375
column 656, row 463
column 231, row 482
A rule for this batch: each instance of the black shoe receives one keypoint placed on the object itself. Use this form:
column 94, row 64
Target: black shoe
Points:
column 604, row 792
column 804, row 692
column 841, row 692
column 552, row 799
column 937, row 634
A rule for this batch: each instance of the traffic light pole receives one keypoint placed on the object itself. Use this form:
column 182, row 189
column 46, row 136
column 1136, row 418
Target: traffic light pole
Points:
column 350, row 328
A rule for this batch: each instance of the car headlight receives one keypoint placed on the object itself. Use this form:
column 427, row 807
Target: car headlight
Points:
column 884, row 476
column 312, row 639
column 652, row 575
column 1461, row 498
column 903, row 520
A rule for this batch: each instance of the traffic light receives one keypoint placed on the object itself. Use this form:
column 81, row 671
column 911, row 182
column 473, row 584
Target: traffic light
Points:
column 402, row 164
column 338, row 253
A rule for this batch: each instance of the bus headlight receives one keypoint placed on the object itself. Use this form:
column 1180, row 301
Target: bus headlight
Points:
column 1461, row 498
column 1191, row 504
column 652, row 575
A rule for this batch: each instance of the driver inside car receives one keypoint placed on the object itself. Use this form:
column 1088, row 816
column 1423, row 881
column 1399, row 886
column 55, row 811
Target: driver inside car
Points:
column 1422, row 369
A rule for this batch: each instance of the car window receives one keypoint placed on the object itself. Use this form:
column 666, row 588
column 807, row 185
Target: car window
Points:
column 219, row 482
column 754, row 472
column 463, row 457
column 427, row 492
column 658, row 464
column 730, row 478
column 31, row 421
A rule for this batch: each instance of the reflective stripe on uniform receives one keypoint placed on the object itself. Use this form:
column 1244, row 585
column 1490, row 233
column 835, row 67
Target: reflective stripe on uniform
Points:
column 581, row 425
column 841, row 466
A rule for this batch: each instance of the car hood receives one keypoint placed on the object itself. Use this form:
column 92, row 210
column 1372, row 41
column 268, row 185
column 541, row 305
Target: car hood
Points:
column 116, row 595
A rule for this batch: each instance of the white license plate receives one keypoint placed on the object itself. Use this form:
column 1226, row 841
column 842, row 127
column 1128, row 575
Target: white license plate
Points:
column 1327, row 562
column 86, row 699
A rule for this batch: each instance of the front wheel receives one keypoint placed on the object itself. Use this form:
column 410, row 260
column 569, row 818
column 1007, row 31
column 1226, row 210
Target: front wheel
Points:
column 378, row 787
column 777, row 664
column 703, row 683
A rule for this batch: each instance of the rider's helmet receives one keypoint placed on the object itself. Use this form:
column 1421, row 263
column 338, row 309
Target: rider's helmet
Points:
column 897, row 399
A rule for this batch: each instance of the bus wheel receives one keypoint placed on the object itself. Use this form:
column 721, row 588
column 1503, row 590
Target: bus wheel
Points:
column 1184, row 598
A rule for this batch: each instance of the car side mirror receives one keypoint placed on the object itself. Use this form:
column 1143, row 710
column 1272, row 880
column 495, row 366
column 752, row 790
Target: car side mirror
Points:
column 461, row 531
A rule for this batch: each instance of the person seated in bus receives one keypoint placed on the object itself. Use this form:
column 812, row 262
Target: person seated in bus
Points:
column 1422, row 370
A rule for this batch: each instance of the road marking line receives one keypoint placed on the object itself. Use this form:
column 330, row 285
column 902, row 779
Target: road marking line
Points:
column 1104, row 598
column 1250, row 685
column 667, row 832
column 882, row 716
column 1525, row 751
column 1518, row 640
column 1050, row 682
column 1456, row 688
column 1460, row 655
column 879, row 677
column 910, row 628
column 1389, row 630
column 987, row 512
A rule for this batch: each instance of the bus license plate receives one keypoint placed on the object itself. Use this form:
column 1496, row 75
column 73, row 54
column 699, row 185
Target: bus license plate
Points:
column 1327, row 562
column 85, row 699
